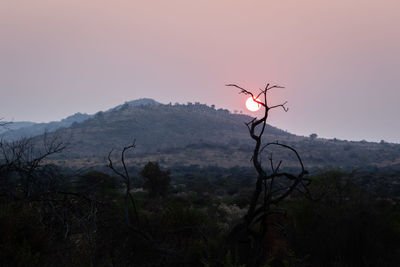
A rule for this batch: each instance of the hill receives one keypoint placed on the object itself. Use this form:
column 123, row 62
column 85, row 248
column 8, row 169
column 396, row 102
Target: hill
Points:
column 198, row 135
column 18, row 130
column 158, row 128
column 9, row 125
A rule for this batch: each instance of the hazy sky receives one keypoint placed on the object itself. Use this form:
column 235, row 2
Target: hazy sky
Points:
column 339, row 60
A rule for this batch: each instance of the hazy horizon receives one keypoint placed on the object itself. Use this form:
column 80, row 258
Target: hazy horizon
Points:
column 339, row 61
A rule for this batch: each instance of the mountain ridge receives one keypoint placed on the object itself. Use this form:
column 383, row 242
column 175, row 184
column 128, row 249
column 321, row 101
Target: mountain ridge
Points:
column 27, row 129
column 197, row 134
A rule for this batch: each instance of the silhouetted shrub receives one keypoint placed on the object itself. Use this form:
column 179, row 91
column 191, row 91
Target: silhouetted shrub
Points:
column 156, row 181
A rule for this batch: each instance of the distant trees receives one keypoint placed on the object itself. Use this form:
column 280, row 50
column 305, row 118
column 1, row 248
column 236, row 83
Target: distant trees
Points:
column 313, row 136
column 156, row 181
column 95, row 183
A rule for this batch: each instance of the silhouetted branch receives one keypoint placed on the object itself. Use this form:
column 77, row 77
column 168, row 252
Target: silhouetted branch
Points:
column 282, row 106
column 258, row 213
column 127, row 181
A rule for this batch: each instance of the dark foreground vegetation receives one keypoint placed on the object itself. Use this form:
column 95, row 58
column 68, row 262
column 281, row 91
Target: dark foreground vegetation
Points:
column 64, row 220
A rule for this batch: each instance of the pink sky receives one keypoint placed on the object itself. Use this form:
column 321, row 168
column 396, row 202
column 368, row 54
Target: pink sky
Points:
column 339, row 60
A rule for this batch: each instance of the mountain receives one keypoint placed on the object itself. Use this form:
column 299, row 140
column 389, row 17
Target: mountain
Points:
column 15, row 125
column 157, row 128
column 18, row 130
column 195, row 135
column 199, row 135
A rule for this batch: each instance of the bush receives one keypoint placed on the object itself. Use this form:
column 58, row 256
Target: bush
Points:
column 156, row 181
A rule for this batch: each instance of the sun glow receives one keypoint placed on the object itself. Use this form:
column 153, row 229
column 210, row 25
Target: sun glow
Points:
column 252, row 105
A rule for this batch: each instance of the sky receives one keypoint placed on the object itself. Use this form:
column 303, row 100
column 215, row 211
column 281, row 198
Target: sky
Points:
column 339, row 61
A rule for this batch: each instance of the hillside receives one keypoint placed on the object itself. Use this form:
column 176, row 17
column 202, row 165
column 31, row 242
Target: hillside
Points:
column 199, row 135
column 12, row 126
column 18, row 130
column 157, row 128
column 30, row 129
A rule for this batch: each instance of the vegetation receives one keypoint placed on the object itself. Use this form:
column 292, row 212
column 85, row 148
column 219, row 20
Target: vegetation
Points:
column 346, row 226
column 156, row 181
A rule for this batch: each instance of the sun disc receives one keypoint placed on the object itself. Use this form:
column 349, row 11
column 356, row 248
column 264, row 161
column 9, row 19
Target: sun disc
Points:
column 252, row 105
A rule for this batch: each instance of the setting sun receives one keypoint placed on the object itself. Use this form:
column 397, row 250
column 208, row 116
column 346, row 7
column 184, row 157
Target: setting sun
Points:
column 252, row 105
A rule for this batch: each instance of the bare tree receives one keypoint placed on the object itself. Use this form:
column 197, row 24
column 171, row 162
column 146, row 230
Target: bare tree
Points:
column 136, row 228
column 28, row 181
column 272, row 185
column 127, row 181
column 23, row 159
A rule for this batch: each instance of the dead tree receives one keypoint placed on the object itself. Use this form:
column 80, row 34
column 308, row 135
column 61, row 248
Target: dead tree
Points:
column 23, row 159
column 127, row 181
column 28, row 181
column 269, row 190
column 128, row 198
